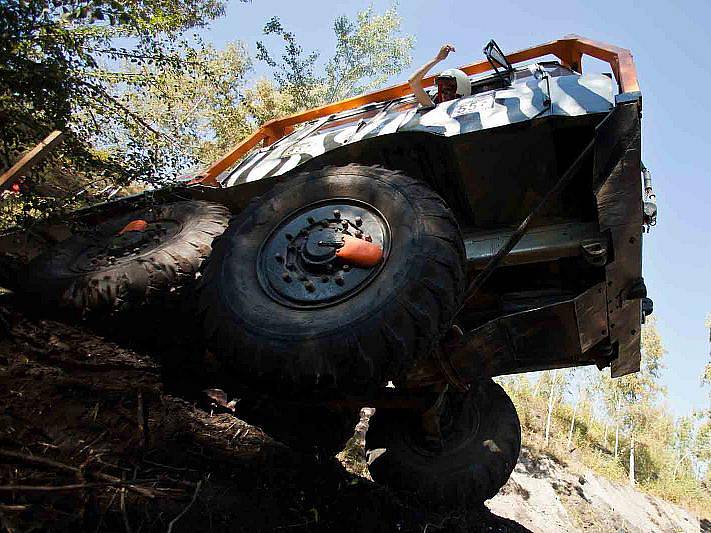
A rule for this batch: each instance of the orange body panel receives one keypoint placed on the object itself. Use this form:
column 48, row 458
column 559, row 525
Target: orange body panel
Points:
column 569, row 50
column 359, row 252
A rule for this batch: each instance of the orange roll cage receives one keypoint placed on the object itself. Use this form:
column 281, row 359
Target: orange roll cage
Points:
column 569, row 50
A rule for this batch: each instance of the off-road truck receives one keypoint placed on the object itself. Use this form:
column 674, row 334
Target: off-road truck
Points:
column 383, row 253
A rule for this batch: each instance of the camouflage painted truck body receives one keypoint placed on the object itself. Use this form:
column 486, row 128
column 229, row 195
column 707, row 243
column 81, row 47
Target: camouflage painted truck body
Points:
column 492, row 156
column 570, row 292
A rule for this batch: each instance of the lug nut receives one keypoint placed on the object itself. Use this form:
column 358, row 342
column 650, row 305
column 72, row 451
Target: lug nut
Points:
column 324, row 279
column 286, row 277
column 336, row 213
column 311, row 220
column 346, row 268
column 289, row 236
column 339, row 279
column 310, row 286
column 279, row 258
column 324, row 223
column 369, row 238
column 358, row 221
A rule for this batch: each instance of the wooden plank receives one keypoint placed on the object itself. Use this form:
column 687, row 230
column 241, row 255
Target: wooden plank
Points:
column 31, row 158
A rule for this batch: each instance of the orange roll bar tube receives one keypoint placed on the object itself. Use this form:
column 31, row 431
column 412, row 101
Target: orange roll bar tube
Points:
column 569, row 50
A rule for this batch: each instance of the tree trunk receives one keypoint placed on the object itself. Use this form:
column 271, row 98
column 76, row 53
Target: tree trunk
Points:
column 550, row 406
column 604, row 437
column 617, row 428
column 537, row 387
column 572, row 420
column 632, row 458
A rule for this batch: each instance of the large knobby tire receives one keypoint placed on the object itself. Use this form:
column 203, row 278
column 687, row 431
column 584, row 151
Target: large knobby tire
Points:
column 481, row 444
column 363, row 338
column 102, row 271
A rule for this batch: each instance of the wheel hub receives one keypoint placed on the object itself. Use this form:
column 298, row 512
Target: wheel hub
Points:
column 122, row 247
column 298, row 264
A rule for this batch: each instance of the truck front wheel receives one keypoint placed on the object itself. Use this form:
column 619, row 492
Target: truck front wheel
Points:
column 283, row 304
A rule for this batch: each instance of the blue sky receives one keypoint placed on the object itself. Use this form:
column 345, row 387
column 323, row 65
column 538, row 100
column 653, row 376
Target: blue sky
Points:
column 670, row 42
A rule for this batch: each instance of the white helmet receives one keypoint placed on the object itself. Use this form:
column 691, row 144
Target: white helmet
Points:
column 464, row 85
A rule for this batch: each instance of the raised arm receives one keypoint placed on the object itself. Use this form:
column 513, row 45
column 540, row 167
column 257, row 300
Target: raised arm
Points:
column 415, row 80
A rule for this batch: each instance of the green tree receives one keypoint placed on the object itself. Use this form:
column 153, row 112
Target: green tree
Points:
column 369, row 50
column 198, row 119
column 58, row 70
column 629, row 400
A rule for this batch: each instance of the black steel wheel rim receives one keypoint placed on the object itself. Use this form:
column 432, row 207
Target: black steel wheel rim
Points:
column 297, row 264
column 108, row 250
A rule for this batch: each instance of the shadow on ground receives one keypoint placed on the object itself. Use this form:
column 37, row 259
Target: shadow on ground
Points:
column 90, row 440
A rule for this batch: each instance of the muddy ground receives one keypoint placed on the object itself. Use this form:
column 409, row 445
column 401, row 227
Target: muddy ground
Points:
column 95, row 436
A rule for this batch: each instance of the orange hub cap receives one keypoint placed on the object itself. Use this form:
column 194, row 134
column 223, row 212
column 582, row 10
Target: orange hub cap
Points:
column 134, row 225
column 359, row 252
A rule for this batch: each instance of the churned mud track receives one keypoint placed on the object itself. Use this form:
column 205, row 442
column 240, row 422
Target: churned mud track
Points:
column 91, row 441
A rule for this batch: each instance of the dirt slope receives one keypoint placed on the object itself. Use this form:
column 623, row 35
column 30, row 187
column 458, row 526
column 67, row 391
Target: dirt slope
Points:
column 91, row 441
column 95, row 437
column 546, row 496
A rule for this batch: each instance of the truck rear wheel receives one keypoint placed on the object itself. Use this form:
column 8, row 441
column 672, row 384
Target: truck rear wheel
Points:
column 281, row 305
column 127, row 261
column 481, row 440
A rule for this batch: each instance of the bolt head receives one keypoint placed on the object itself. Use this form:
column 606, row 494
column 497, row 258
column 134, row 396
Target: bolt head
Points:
column 369, row 238
column 346, row 268
column 336, row 213
column 278, row 258
column 289, row 236
column 286, row 277
column 358, row 221
column 324, row 223
column 339, row 279
column 311, row 220
column 310, row 286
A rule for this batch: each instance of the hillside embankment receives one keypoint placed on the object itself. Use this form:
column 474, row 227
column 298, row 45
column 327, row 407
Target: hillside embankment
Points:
column 544, row 495
column 95, row 437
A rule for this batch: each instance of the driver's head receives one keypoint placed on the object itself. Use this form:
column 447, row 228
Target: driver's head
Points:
column 451, row 84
